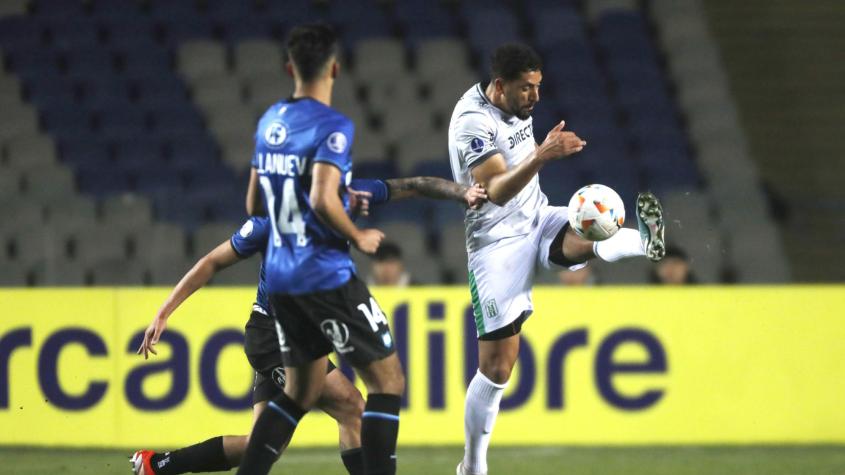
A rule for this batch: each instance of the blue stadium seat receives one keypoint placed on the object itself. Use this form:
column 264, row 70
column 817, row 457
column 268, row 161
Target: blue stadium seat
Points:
column 66, row 9
column 178, row 31
column 421, row 20
column 78, row 153
column 358, row 21
column 152, row 180
column 135, row 33
column 188, row 150
column 35, row 63
column 107, row 11
column 234, row 32
column 89, row 61
column 214, row 175
column 66, row 118
column 148, row 63
column 104, row 91
column 173, row 9
column 374, row 170
column 50, row 91
column 139, row 153
column 488, row 28
column 437, row 168
column 100, row 182
column 176, row 122
column 20, row 33
column 553, row 25
column 73, row 34
column 116, row 120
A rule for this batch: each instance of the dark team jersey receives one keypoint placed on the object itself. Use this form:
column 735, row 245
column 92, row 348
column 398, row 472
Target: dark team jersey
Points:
column 303, row 254
column 254, row 235
column 251, row 239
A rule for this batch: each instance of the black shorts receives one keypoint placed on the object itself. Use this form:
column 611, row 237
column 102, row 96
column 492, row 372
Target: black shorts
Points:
column 346, row 319
column 261, row 345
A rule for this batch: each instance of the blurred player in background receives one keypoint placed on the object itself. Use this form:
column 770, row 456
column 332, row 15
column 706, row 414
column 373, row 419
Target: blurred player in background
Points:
column 674, row 269
column 339, row 398
column 388, row 268
column 491, row 142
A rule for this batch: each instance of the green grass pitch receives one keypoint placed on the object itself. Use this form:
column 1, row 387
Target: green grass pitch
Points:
column 753, row 460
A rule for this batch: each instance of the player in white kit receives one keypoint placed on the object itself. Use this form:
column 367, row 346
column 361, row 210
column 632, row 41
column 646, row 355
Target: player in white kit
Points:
column 491, row 143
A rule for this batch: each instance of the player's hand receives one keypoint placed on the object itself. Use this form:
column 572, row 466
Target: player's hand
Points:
column 359, row 202
column 368, row 240
column 151, row 337
column 475, row 196
column 560, row 143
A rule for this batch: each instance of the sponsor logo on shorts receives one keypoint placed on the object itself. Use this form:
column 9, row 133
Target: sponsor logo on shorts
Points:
column 278, row 375
column 338, row 333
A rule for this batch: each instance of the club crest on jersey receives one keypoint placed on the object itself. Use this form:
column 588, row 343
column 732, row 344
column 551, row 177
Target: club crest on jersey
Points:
column 275, row 134
column 338, row 333
column 246, row 229
column 337, row 142
column 477, row 145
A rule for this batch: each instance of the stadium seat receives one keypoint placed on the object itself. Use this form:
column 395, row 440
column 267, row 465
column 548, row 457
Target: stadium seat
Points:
column 160, row 242
column 100, row 243
column 15, row 274
column 117, row 272
column 210, row 235
column 35, row 246
column 258, row 56
column 416, row 149
column 368, row 146
column 200, row 58
column 20, row 120
column 60, row 272
column 127, row 212
column 30, row 151
column 408, row 235
column 167, row 272
column 49, row 184
column 379, row 58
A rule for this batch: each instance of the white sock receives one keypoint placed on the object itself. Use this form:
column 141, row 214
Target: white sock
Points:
column 625, row 243
column 482, row 407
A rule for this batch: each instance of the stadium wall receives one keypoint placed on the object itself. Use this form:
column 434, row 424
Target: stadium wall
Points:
column 705, row 365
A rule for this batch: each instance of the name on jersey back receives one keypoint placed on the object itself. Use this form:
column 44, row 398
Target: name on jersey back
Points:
column 281, row 164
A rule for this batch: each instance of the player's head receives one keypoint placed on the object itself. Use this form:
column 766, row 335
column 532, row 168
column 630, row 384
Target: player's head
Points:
column 516, row 75
column 388, row 267
column 312, row 52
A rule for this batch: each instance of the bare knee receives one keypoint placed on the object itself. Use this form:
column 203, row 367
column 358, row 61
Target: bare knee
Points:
column 384, row 376
column 497, row 370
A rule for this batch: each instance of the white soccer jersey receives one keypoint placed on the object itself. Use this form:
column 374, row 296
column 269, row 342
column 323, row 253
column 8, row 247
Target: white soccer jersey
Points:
column 477, row 131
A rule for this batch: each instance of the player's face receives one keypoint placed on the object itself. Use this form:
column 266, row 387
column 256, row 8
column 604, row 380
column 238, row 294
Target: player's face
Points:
column 523, row 94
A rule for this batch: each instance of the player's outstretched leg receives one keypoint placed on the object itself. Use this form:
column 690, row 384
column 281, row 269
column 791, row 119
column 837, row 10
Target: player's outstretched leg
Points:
column 207, row 456
column 385, row 383
column 276, row 425
column 648, row 241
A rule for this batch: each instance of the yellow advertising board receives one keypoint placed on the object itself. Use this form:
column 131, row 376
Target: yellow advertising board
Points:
column 597, row 366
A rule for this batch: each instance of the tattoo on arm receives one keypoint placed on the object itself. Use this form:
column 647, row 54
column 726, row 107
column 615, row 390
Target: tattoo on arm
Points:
column 429, row 187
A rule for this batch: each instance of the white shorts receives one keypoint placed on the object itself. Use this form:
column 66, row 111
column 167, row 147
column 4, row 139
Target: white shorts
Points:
column 501, row 274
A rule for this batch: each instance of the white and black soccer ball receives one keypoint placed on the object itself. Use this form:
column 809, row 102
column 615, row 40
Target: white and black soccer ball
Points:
column 596, row 212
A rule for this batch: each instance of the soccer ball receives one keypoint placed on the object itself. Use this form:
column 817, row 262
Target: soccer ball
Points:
column 596, row 212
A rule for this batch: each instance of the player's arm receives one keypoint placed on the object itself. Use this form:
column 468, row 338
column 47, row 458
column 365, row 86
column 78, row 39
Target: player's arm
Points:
column 326, row 203
column 436, row 188
column 502, row 183
column 221, row 257
column 254, row 204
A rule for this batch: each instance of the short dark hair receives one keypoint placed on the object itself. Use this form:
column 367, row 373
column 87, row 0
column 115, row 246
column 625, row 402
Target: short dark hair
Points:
column 510, row 60
column 309, row 47
column 388, row 251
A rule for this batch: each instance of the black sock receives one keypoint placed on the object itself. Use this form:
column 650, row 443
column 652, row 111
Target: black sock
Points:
column 273, row 428
column 379, row 429
column 353, row 460
column 206, row 456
